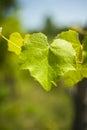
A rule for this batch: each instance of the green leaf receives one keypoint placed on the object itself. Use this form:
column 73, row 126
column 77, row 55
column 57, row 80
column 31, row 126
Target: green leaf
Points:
column 47, row 63
column 62, row 57
column 34, row 58
column 72, row 77
column 69, row 74
column 70, row 36
column 15, row 43
column 73, row 38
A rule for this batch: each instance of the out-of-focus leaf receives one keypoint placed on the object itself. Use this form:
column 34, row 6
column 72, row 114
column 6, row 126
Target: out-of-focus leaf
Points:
column 15, row 43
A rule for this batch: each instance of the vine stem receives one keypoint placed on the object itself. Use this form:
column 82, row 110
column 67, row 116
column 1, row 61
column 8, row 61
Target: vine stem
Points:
column 9, row 41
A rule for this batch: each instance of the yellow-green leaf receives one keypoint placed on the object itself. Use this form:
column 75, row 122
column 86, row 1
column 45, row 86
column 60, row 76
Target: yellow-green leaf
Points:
column 47, row 62
column 15, row 43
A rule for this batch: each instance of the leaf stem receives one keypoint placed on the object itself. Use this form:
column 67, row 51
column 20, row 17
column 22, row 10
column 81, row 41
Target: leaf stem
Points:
column 9, row 41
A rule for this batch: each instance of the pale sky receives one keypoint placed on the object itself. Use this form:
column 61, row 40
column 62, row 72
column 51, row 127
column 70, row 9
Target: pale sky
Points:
column 64, row 12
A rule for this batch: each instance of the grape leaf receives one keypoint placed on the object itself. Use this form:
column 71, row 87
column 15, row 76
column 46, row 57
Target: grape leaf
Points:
column 15, row 42
column 72, row 37
column 62, row 56
column 74, row 76
column 46, row 62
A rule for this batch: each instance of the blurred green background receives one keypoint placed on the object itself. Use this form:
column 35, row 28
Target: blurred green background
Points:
column 24, row 105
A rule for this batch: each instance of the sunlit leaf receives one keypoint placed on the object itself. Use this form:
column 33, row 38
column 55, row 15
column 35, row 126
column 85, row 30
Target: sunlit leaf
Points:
column 72, row 77
column 15, row 43
column 72, row 37
column 47, row 63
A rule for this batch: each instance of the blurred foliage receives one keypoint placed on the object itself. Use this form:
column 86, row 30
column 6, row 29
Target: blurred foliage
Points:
column 5, row 7
column 36, row 109
column 4, row 4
